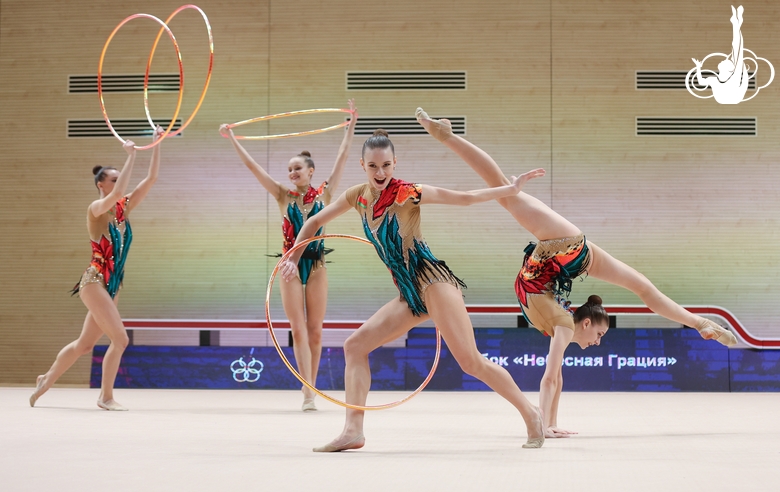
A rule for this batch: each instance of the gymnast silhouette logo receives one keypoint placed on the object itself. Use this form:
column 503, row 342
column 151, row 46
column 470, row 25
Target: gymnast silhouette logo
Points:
column 244, row 372
column 730, row 83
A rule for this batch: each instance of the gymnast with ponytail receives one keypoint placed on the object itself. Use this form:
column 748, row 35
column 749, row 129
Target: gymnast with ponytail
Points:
column 306, row 298
column 110, row 235
column 545, row 279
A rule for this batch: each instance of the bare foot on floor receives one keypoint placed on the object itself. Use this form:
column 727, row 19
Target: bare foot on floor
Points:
column 342, row 443
column 536, row 432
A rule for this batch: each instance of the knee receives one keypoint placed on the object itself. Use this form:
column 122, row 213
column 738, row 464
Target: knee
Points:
column 643, row 286
column 473, row 364
column 354, row 348
column 298, row 331
column 83, row 348
column 121, row 341
column 315, row 336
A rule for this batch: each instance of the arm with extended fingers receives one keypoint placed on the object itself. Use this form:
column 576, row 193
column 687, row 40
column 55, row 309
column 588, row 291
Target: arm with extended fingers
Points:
column 431, row 194
column 341, row 159
column 552, row 383
column 139, row 193
column 269, row 183
column 103, row 205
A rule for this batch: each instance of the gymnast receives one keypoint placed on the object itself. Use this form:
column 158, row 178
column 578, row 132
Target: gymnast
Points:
column 545, row 280
column 110, row 235
column 305, row 298
column 390, row 212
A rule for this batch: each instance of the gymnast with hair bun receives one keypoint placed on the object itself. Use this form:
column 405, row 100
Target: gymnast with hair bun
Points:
column 110, row 235
column 306, row 297
column 545, row 280
column 390, row 212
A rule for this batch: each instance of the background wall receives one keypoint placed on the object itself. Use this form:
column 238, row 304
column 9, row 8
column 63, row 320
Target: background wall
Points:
column 550, row 83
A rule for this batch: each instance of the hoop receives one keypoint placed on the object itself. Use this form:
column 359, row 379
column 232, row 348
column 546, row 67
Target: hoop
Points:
column 146, row 79
column 300, row 378
column 181, row 87
column 296, row 134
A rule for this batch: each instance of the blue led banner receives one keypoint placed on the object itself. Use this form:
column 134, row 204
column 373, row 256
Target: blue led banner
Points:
column 628, row 360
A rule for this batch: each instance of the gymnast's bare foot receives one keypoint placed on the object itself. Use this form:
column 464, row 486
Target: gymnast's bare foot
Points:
column 39, row 390
column 441, row 130
column 342, row 443
column 536, row 432
column 709, row 330
column 110, row 405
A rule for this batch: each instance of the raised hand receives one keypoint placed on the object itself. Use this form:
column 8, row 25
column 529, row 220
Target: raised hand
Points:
column 129, row 147
column 353, row 109
column 225, row 131
column 697, row 62
column 158, row 132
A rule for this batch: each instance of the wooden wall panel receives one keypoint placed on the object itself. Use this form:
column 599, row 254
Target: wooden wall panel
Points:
column 687, row 211
column 550, row 83
column 180, row 237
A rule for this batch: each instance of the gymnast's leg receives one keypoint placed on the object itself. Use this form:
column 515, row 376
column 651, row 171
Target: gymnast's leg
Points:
column 605, row 267
column 447, row 310
column 390, row 322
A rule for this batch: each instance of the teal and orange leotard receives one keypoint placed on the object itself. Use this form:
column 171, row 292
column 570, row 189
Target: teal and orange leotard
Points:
column 296, row 208
column 110, row 237
column 391, row 221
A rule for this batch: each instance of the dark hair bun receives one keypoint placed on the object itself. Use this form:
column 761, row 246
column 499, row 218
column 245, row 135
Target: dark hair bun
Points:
column 380, row 132
column 306, row 153
column 595, row 300
column 96, row 170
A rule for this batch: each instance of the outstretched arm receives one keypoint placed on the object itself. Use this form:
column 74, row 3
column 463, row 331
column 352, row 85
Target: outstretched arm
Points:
column 139, row 193
column 431, row 194
column 103, row 205
column 552, row 382
column 290, row 267
column 341, row 159
column 269, row 183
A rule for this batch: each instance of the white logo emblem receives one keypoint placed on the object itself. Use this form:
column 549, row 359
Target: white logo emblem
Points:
column 246, row 372
column 731, row 81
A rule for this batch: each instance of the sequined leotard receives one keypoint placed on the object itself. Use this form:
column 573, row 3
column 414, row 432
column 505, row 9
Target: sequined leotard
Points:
column 110, row 235
column 391, row 221
column 296, row 208
column 544, row 283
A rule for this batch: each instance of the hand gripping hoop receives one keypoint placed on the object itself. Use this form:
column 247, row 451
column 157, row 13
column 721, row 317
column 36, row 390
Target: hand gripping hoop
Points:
column 284, row 258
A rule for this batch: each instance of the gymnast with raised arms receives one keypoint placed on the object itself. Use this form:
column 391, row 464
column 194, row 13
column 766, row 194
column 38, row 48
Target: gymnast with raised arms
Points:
column 110, row 235
column 305, row 297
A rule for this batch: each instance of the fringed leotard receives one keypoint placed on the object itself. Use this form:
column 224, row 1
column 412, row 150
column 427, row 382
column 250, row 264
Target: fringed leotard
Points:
column 296, row 209
column 110, row 235
column 391, row 221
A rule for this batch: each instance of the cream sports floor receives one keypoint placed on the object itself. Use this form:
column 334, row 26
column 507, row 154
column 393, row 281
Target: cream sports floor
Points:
column 260, row 441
